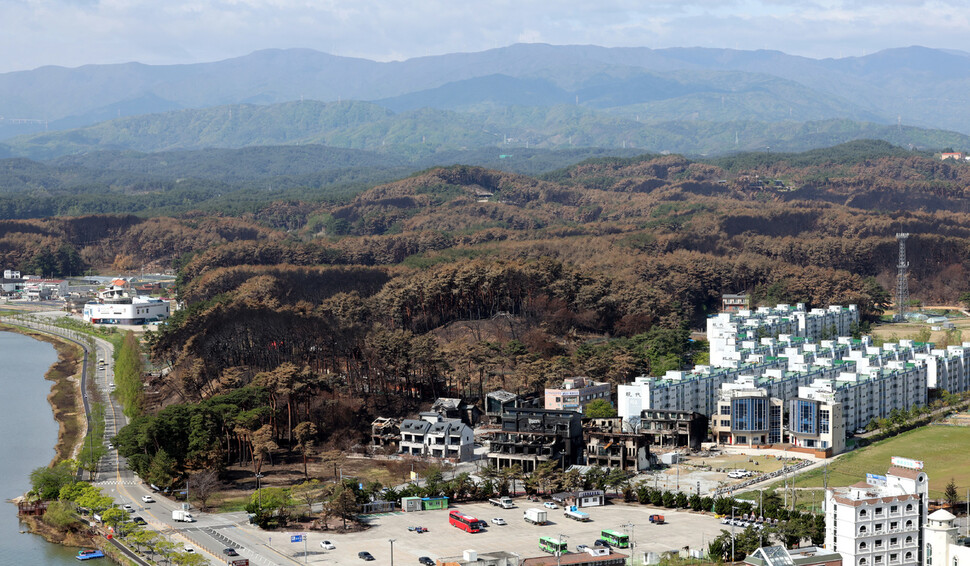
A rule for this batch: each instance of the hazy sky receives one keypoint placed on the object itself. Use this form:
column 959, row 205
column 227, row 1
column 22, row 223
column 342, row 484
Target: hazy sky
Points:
column 76, row 32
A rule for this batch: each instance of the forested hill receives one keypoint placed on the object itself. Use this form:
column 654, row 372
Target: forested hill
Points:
column 424, row 133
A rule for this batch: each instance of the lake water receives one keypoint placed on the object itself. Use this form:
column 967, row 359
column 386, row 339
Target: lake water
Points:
column 29, row 433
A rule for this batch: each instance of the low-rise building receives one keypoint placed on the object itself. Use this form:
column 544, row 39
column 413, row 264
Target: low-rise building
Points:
column 608, row 445
column 804, row 556
column 735, row 302
column 576, row 393
column 531, row 437
column 583, row 498
column 592, row 557
column 473, row 558
column 437, row 438
column 385, row 433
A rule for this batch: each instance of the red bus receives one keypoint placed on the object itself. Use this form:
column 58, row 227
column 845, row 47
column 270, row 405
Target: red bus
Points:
column 463, row 522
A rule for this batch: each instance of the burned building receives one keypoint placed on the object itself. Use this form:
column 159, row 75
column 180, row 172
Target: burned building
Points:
column 531, row 437
column 608, row 445
column 672, row 429
column 385, row 433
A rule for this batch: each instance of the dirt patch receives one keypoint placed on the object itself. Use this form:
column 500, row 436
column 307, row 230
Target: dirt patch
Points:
column 84, row 538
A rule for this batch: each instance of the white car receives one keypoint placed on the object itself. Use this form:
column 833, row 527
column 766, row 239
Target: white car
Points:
column 127, row 507
column 147, row 499
column 327, row 545
column 188, row 549
column 550, row 505
column 498, row 521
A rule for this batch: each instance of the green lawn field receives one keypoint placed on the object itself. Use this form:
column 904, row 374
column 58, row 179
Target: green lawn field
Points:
column 944, row 450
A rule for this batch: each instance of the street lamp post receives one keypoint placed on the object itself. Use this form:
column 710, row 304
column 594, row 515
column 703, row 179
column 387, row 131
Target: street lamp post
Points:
column 732, row 533
column 390, row 540
column 259, row 493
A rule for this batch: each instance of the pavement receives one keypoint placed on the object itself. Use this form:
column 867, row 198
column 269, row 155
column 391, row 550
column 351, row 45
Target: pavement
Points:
column 683, row 528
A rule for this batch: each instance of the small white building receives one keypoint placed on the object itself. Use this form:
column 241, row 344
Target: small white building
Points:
column 127, row 310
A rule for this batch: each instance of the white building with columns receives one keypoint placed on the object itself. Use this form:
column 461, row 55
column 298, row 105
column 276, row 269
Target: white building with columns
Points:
column 878, row 522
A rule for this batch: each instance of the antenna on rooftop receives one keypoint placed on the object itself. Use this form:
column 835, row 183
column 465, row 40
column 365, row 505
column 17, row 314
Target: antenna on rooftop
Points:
column 902, row 284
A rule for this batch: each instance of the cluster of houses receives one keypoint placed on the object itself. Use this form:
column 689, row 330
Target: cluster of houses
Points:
column 782, row 375
column 98, row 300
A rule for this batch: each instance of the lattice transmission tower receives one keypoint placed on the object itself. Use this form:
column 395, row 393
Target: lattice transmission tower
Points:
column 902, row 282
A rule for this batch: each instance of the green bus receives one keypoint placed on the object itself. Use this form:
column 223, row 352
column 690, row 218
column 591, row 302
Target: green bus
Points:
column 552, row 545
column 616, row 540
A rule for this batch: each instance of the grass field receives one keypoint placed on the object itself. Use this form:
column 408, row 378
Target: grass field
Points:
column 941, row 448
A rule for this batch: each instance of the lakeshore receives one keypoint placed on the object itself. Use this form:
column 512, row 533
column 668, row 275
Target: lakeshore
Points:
column 65, row 394
column 26, row 409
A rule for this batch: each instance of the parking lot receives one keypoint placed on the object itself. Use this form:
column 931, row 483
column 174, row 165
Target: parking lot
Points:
column 682, row 529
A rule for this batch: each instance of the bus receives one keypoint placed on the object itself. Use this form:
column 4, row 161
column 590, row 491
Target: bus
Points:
column 463, row 522
column 616, row 540
column 552, row 545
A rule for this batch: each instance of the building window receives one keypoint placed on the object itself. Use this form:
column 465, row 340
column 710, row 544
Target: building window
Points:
column 863, row 545
column 929, row 554
column 909, row 556
column 909, row 524
column 909, row 507
column 863, row 513
column 894, row 557
column 894, row 525
column 862, row 529
column 878, row 511
column 909, row 540
column 863, row 562
column 894, row 508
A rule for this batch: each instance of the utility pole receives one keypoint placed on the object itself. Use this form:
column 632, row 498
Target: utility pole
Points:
column 390, row 540
column 629, row 527
column 558, row 550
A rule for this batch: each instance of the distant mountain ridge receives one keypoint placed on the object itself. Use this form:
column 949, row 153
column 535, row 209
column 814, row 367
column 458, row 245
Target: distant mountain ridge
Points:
column 914, row 86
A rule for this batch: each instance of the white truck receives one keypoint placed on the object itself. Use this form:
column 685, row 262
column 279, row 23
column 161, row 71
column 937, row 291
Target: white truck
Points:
column 576, row 514
column 503, row 502
column 535, row 516
column 182, row 516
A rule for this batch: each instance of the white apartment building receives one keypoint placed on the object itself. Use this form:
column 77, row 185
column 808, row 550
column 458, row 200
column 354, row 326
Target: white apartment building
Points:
column 695, row 391
column 878, row 522
column 726, row 332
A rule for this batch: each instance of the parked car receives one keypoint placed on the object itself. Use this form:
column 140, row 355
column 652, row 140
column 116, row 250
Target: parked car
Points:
column 127, row 507
column 581, row 548
column 550, row 505
column 498, row 521
column 364, row 555
column 482, row 524
column 138, row 520
column 230, row 552
column 601, row 542
column 427, row 561
column 327, row 545
column 147, row 499
column 188, row 549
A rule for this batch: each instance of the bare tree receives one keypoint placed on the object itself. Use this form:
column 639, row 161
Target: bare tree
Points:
column 203, row 485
